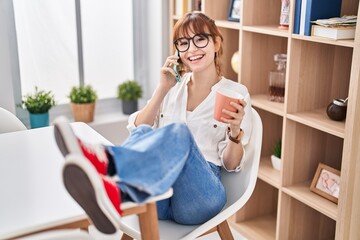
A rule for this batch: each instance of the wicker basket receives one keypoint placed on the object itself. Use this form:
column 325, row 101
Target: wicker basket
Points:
column 83, row 112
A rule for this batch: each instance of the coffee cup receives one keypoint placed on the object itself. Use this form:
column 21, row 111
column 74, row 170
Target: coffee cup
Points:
column 222, row 101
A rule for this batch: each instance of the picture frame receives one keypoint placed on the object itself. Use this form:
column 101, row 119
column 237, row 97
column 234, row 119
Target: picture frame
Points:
column 326, row 182
column 234, row 10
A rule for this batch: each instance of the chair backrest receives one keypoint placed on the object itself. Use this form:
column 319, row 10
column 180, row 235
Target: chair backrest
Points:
column 239, row 186
column 9, row 122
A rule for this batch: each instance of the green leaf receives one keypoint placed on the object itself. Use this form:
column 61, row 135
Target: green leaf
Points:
column 82, row 94
column 38, row 102
column 129, row 91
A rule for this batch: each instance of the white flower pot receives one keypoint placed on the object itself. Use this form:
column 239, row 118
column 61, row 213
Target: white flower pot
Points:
column 276, row 162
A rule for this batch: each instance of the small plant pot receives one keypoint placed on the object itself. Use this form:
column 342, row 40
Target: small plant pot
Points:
column 38, row 120
column 83, row 112
column 276, row 162
column 129, row 107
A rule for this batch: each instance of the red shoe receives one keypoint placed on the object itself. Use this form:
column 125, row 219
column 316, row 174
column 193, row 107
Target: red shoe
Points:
column 68, row 143
column 97, row 195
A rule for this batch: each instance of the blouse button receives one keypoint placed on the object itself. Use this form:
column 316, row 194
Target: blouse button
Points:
column 215, row 126
column 161, row 115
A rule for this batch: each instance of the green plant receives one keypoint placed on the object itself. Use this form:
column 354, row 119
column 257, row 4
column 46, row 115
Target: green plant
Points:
column 129, row 91
column 38, row 102
column 276, row 150
column 82, row 94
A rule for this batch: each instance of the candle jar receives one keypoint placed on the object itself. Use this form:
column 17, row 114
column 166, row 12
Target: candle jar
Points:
column 337, row 110
column 277, row 79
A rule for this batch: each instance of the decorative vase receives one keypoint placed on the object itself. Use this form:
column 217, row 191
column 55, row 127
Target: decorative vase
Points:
column 276, row 162
column 83, row 112
column 129, row 107
column 38, row 120
column 336, row 110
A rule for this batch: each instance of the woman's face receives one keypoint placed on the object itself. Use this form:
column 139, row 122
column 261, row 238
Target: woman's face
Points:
column 199, row 59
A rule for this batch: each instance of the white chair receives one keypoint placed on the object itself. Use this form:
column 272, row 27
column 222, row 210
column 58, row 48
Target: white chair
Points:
column 239, row 187
column 9, row 122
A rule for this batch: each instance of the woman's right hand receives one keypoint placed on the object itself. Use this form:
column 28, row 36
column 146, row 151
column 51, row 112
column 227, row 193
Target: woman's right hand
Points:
column 167, row 73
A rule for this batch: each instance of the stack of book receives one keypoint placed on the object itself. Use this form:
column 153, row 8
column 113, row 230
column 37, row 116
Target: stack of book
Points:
column 335, row 28
column 310, row 10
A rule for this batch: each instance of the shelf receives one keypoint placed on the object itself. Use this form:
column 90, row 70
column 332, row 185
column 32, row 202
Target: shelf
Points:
column 267, row 29
column 227, row 24
column 302, row 193
column 343, row 43
column 257, row 228
column 261, row 101
column 268, row 174
column 319, row 120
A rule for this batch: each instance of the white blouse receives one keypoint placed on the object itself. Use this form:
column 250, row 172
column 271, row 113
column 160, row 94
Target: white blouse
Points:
column 209, row 134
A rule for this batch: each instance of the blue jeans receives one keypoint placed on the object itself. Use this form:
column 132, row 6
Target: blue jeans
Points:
column 151, row 161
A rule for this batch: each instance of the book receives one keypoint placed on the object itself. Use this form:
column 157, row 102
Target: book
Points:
column 336, row 33
column 302, row 17
column 320, row 9
column 297, row 16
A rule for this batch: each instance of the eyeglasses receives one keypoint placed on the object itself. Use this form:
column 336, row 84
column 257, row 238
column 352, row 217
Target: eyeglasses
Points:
column 200, row 40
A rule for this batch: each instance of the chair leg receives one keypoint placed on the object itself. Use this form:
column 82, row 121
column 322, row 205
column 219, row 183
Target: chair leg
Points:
column 224, row 231
column 126, row 237
column 148, row 220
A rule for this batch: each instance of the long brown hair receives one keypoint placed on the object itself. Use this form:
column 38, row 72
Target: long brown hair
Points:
column 199, row 23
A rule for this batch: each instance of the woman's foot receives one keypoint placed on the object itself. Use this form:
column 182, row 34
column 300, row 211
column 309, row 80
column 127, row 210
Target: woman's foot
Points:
column 68, row 143
column 96, row 194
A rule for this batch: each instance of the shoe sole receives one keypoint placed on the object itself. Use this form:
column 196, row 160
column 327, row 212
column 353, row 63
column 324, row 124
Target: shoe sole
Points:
column 65, row 137
column 84, row 184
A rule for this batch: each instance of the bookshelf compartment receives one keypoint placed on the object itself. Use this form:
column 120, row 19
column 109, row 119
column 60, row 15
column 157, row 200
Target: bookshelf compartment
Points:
column 258, row 12
column 272, row 131
column 216, row 11
column 230, row 46
column 305, row 148
column 318, row 74
column 298, row 221
column 302, row 193
column 259, row 214
column 259, row 205
column 257, row 56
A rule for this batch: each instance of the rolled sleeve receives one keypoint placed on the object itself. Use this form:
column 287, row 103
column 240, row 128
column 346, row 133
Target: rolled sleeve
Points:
column 132, row 118
column 222, row 146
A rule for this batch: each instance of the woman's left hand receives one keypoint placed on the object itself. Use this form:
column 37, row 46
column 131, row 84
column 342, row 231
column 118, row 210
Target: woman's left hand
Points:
column 236, row 117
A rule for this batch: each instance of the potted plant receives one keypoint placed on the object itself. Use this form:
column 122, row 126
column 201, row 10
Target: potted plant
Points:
column 129, row 92
column 82, row 100
column 38, row 105
column 276, row 155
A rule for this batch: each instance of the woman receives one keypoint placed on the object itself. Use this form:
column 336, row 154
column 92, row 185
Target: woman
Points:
column 174, row 141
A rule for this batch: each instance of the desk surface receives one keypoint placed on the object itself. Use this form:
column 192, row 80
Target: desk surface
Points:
column 32, row 195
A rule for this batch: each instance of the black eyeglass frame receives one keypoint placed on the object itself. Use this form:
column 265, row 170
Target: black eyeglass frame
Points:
column 207, row 35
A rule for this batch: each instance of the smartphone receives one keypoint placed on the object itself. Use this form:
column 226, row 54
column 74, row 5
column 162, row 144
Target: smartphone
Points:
column 176, row 68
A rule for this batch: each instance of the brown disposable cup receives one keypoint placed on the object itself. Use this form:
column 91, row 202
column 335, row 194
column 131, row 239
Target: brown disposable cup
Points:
column 222, row 101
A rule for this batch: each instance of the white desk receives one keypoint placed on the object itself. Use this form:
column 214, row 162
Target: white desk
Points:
column 32, row 195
